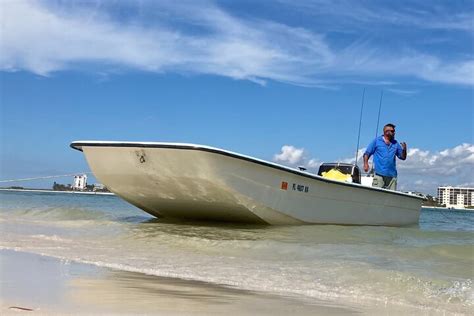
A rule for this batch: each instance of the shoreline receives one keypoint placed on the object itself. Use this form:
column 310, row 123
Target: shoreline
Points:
column 45, row 285
column 53, row 191
column 448, row 209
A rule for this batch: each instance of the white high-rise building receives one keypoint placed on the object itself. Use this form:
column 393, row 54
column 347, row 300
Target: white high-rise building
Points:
column 460, row 200
column 456, row 196
column 80, row 182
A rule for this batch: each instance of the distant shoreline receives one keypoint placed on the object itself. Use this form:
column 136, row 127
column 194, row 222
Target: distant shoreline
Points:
column 53, row 191
column 448, row 209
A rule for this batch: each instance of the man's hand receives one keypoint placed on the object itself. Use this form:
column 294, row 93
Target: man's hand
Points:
column 404, row 152
column 366, row 166
column 366, row 162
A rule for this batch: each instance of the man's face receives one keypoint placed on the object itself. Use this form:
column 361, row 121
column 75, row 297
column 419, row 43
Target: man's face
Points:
column 389, row 132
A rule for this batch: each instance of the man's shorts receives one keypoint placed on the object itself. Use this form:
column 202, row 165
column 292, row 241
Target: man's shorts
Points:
column 384, row 182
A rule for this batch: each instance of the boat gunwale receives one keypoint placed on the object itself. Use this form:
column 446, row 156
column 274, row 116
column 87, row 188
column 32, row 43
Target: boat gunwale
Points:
column 77, row 145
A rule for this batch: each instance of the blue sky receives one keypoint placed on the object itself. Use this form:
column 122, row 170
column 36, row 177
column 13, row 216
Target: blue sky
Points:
column 278, row 80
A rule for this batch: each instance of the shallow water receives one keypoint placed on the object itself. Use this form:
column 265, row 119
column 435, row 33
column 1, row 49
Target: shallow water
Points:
column 429, row 266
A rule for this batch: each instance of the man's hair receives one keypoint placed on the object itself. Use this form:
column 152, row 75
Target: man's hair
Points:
column 389, row 125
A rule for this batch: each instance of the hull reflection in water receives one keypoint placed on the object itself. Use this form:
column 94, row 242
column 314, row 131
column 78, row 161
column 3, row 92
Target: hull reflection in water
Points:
column 199, row 182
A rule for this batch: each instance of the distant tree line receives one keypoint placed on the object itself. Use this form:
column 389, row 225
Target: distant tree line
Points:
column 61, row 187
column 430, row 201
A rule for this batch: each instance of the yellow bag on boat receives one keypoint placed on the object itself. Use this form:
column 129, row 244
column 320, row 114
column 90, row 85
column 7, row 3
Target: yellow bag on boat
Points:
column 335, row 174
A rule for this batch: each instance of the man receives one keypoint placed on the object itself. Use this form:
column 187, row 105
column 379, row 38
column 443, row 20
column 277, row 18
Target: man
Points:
column 385, row 150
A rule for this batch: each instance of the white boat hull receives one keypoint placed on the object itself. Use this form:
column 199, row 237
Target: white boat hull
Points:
column 198, row 182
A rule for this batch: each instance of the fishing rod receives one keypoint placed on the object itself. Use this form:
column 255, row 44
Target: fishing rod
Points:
column 372, row 171
column 378, row 118
column 360, row 124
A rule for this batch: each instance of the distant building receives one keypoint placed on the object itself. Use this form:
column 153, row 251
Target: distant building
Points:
column 99, row 186
column 418, row 194
column 456, row 196
column 80, row 182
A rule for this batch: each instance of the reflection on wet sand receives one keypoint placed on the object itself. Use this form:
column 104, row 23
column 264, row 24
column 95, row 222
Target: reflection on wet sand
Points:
column 121, row 291
column 48, row 285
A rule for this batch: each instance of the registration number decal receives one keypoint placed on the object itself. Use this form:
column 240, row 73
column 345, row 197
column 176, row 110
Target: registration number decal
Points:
column 294, row 187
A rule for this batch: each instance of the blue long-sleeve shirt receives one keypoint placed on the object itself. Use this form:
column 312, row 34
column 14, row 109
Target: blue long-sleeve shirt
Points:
column 384, row 156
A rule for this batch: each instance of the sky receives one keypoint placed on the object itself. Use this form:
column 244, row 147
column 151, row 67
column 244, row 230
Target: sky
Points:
column 278, row 80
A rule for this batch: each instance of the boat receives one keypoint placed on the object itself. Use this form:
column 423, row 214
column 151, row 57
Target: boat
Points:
column 197, row 182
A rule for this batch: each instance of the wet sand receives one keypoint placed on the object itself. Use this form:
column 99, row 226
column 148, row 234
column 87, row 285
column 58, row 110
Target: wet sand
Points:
column 31, row 283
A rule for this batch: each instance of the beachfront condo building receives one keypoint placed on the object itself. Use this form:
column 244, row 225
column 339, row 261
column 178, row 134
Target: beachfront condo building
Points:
column 80, row 182
column 456, row 196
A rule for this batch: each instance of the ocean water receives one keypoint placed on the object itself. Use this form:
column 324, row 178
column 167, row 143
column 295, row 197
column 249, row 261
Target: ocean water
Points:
column 428, row 267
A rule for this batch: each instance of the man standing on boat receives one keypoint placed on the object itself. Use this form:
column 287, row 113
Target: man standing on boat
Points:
column 385, row 150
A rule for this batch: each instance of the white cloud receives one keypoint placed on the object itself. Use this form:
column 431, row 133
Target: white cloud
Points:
column 360, row 158
column 41, row 40
column 313, row 164
column 403, row 92
column 367, row 14
column 290, row 154
column 201, row 38
column 448, row 162
column 423, row 170
column 368, row 60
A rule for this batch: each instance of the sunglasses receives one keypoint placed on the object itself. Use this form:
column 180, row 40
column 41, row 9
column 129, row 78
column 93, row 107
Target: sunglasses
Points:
column 390, row 130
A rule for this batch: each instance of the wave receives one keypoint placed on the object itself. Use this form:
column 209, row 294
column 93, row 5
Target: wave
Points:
column 348, row 284
column 59, row 213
